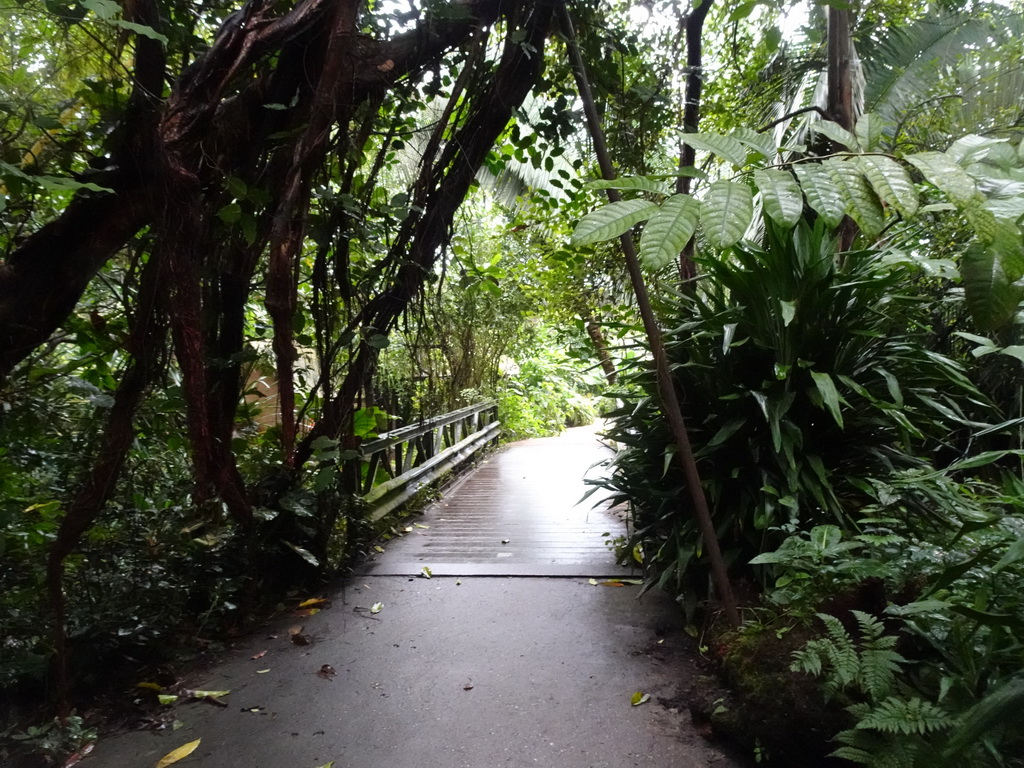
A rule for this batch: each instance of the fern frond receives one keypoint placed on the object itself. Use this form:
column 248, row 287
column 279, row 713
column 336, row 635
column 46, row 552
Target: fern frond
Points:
column 905, row 716
column 878, row 671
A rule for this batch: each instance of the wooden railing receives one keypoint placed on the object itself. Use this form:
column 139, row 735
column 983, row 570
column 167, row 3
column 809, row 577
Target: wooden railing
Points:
column 397, row 465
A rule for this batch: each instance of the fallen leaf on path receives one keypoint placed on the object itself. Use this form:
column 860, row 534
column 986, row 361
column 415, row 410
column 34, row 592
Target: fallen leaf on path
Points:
column 262, row 671
column 177, row 754
column 378, row 548
column 327, row 765
column 76, row 758
column 613, row 583
column 505, row 541
column 326, row 672
column 149, row 686
column 467, row 687
column 592, row 582
column 408, row 529
column 213, row 697
column 306, row 612
column 314, row 601
column 425, row 572
column 166, row 699
column 421, row 525
column 376, row 607
column 259, row 655
column 458, row 582
column 297, row 637
column 640, row 698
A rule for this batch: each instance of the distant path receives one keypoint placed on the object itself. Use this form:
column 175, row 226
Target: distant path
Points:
column 493, row 666
column 518, row 514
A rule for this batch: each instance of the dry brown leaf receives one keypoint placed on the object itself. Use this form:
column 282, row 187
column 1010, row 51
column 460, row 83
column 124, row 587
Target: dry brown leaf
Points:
column 259, row 655
column 326, row 672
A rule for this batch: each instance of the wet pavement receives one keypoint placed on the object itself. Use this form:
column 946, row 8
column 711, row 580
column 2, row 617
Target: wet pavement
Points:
column 490, row 666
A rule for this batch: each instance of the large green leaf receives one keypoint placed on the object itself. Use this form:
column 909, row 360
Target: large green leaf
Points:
column 829, row 395
column 726, row 147
column 869, row 131
column 668, row 231
column 822, row 194
column 837, row 133
column 991, row 297
column 942, row 171
column 891, row 183
column 759, row 142
column 780, row 195
column 1002, row 235
column 726, row 212
column 645, row 183
column 610, row 221
column 861, row 202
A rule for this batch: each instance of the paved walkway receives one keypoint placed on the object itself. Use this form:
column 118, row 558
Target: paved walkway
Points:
column 489, row 666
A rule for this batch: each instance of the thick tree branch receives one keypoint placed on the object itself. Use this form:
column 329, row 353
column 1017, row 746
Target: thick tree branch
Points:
column 42, row 281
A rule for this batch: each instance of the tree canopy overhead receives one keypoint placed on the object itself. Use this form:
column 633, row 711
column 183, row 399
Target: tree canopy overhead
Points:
column 187, row 188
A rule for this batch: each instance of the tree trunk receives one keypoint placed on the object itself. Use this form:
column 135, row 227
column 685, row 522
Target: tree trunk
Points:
column 601, row 349
column 666, row 385
column 691, row 117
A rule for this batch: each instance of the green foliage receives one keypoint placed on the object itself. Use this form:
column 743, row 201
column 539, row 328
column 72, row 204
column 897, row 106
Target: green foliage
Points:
column 875, row 190
column 545, row 393
column 933, row 683
column 803, row 380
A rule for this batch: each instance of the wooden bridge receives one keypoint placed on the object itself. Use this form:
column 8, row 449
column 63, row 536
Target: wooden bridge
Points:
column 520, row 513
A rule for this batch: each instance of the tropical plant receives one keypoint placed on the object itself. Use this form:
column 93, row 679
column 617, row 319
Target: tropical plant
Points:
column 806, row 380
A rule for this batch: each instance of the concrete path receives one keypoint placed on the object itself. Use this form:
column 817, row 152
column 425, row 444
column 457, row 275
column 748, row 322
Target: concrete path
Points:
column 470, row 671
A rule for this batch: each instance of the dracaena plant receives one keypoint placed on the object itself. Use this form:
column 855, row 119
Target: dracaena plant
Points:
column 802, row 380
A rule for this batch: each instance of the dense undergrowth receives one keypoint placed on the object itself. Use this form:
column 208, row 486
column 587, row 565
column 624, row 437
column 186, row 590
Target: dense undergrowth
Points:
column 159, row 579
column 865, row 491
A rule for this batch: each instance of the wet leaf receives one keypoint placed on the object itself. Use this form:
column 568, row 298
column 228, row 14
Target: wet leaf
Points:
column 376, row 607
column 259, row 655
column 166, row 699
column 211, row 697
column 640, row 698
column 314, row 602
column 177, row 754
column 327, row 672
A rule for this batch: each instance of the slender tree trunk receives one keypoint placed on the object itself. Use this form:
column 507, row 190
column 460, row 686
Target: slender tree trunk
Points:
column 839, row 100
column 691, row 117
column 666, row 385
column 601, row 348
